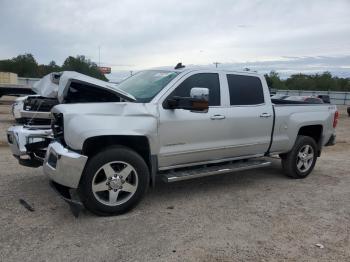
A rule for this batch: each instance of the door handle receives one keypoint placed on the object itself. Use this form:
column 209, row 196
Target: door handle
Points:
column 265, row 115
column 217, row 117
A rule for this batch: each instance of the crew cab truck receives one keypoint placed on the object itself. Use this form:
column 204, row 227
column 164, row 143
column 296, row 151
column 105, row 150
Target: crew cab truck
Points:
column 176, row 125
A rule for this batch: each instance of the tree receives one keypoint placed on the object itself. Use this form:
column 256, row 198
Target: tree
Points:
column 47, row 69
column 273, row 81
column 23, row 65
column 82, row 65
column 26, row 66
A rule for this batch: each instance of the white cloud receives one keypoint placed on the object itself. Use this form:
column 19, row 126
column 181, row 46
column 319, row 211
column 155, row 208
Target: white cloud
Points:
column 142, row 34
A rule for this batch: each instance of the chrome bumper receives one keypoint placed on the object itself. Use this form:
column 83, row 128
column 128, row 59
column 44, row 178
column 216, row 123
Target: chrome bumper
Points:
column 19, row 136
column 63, row 166
column 34, row 114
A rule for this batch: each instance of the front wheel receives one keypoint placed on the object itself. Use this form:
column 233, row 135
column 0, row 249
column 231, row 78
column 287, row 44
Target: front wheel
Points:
column 299, row 162
column 114, row 181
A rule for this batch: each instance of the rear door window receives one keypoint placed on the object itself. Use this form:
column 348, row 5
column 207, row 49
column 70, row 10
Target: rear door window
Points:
column 245, row 90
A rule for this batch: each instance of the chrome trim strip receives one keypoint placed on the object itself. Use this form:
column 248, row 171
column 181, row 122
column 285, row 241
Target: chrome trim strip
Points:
column 206, row 149
column 35, row 114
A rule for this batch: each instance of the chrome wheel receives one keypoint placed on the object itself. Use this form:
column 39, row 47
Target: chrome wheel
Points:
column 115, row 183
column 305, row 158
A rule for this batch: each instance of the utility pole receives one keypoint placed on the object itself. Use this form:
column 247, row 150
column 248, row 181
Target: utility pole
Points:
column 216, row 64
column 99, row 56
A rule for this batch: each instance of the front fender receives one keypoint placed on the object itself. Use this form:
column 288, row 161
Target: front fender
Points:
column 81, row 127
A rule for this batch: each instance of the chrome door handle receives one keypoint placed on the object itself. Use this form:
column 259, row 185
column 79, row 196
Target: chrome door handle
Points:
column 217, row 117
column 265, row 115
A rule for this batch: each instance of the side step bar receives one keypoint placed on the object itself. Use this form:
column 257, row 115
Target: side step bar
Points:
column 184, row 174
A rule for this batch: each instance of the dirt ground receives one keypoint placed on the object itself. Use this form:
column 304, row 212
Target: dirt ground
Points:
column 258, row 215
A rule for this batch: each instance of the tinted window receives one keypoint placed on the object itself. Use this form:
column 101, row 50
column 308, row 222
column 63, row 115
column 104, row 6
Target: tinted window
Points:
column 207, row 80
column 245, row 90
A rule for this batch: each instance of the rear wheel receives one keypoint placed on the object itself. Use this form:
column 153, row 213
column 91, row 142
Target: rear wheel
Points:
column 114, row 181
column 301, row 160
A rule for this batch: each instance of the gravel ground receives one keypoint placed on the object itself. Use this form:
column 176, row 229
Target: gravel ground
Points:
column 258, row 215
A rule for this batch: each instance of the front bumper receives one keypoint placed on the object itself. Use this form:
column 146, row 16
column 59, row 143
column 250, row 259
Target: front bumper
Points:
column 34, row 114
column 63, row 166
column 22, row 138
column 16, row 109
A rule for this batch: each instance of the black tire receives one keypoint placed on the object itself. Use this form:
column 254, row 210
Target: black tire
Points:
column 112, row 154
column 290, row 160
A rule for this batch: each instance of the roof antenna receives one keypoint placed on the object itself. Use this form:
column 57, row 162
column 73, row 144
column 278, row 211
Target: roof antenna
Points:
column 179, row 66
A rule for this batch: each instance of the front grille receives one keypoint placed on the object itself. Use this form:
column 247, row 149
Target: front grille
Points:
column 39, row 104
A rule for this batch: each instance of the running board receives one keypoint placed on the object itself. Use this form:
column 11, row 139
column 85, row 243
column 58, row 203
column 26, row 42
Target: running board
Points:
column 174, row 175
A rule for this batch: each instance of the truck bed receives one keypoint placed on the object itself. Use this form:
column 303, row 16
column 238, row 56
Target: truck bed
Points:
column 290, row 118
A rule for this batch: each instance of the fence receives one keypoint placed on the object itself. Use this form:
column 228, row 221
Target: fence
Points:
column 337, row 98
column 27, row 81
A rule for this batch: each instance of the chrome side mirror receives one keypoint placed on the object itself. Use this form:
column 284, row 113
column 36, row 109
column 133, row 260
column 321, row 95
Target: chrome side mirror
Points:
column 200, row 93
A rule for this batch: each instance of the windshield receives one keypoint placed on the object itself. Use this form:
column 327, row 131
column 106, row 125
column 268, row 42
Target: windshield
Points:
column 147, row 84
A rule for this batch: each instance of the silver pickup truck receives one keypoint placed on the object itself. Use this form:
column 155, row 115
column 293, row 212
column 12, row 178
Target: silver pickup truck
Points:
column 176, row 125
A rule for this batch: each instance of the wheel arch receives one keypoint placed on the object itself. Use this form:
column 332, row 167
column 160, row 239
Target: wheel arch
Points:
column 315, row 132
column 140, row 144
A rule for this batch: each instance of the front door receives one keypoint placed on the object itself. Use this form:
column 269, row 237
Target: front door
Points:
column 189, row 137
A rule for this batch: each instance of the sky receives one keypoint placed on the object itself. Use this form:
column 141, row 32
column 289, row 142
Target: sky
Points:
column 264, row 35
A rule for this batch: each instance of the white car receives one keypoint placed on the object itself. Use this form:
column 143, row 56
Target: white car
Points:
column 17, row 106
column 29, row 142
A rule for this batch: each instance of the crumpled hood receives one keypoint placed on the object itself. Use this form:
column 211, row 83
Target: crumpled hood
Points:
column 68, row 77
column 56, row 85
column 48, row 85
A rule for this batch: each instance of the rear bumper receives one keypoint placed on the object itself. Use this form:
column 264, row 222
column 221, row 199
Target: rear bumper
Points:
column 63, row 166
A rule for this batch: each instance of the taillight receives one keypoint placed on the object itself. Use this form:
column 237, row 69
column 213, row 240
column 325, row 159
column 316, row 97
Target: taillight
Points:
column 335, row 120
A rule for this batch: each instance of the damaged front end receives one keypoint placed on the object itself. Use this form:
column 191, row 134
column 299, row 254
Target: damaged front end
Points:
column 29, row 143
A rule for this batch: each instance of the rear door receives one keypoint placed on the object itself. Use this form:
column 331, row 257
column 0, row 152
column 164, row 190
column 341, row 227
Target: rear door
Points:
column 249, row 115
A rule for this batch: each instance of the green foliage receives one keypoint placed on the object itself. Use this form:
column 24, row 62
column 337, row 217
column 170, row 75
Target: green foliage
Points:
column 26, row 66
column 274, row 81
column 23, row 65
column 320, row 82
column 82, row 65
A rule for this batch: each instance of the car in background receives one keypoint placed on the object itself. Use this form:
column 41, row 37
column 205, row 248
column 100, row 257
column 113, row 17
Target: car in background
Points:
column 325, row 98
column 305, row 99
column 16, row 108
column 28, row 141
column 287, row 99
column 279, row 96
column 35, row 109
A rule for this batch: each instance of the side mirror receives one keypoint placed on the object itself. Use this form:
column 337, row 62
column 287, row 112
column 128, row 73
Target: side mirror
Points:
column 200, row 93
column 200, row 99
column 197, row 102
